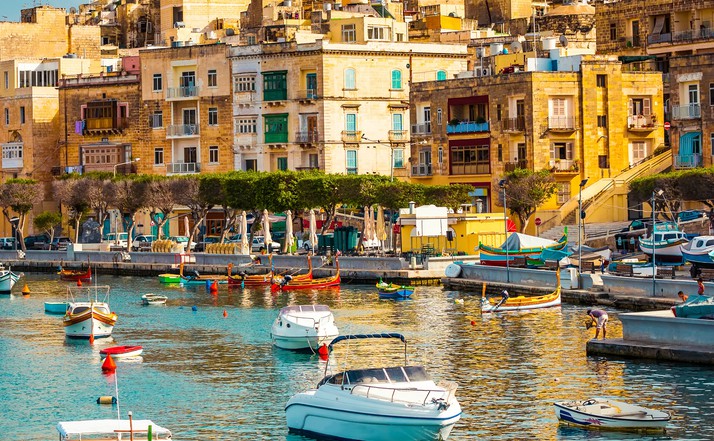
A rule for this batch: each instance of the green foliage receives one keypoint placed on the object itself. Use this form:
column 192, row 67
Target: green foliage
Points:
column 526, row 190
column 450, row 196
column 48, row 221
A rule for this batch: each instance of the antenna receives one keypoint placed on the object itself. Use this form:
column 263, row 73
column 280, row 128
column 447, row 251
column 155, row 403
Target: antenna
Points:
column 72, row 10
column 563, row 41
column 516, row 47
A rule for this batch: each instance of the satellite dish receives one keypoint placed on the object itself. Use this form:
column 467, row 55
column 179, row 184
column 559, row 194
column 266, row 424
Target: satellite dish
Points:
column 563, row 41
column 516, row 47
column 72, row 10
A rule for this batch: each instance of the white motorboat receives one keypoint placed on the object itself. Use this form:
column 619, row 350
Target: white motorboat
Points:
column 90, row 318
column 153, row 299
column 303, row 327
column 101, row 430
column 601, row 413
column 668, row 241
column 376, row 404
column 7, row 279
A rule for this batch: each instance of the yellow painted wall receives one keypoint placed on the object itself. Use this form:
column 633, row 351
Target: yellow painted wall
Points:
column 469, row 229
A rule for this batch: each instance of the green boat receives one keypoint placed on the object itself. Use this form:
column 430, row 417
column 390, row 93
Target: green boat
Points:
column 170, row 278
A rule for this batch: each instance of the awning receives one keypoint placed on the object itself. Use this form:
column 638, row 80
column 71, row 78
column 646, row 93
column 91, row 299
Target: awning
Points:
column 659, row 24
column 626, row 59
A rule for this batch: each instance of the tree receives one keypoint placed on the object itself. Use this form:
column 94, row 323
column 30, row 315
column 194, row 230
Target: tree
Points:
column 196, row 195
column 97, row 193
column 450, row 196
column 243, row 194
column 19, row 196
column 320, row 190
column 526, row 190
column 669, row 203
column 128, row 195
column 161, row 200
column 70, row 192
column 47, row 222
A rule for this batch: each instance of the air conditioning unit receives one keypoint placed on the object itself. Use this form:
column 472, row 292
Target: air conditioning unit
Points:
column 483, row 71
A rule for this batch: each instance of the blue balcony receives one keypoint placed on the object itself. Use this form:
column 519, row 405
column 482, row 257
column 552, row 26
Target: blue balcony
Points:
column 467, row 127
column 687, row 161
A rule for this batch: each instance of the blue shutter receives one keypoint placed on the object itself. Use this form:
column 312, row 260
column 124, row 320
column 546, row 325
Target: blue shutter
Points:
column 441, row 75
column 351, row 122
column 398, row 158
column 350, row 79
column 397, row 121
column 396, row 79
column 351, row 162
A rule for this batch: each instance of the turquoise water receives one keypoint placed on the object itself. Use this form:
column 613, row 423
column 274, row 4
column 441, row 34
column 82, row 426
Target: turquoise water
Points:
column 210, row 377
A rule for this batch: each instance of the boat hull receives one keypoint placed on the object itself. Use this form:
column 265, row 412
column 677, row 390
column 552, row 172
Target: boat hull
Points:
column 522, row 303
column 74, row 275
column 702, row 259
column 56, row 307
column 7, row 281
column 169, row 278
column 570, row 416
column 153, row 299
column 303, row 330
column 670, row 252
column 86, row 325
column 122, row 351
column 327, row 282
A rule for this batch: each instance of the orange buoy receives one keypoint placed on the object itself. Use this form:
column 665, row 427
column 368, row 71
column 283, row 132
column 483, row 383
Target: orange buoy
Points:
column 225, row 313
column 473, row 323
column 79, row 282
column 323, row 351
column 109, row 365
column 91, row 339
column 25, row 290
column 214, row 287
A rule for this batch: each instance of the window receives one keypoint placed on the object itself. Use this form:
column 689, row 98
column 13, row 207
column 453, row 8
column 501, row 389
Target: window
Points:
column 711, row 94
column 427, row 119
column 400, row 37
column 158, row 156
column 500, row 153
column 602, row 120
column 44, row 76
column 639, row 106
column 22, row 114
column 351, row 122
column 7, row 79
column 213, row 116
column 350, row 82
column 244, row 83
column 561, row 150
column 247, row 125
column 158, row 83
column 251, row 40
column 275, row 85
column 563, row 192
column 7, row 117
column 251, row 165
column 440, row 155
column 212, row 78
column 438, row 117
column 156, row 120
column 313, row 160
column 397, row 119
column 638, row 151
column 398, row 155
column 498, row 112
column 613, row 31
column 282, row 163
column 601, row 80
column 693, row 94
column 351, row 163
column 377, row 33
column 349, row 34
column 276, row 128
column 213, row 154
column 441, row 75
column 711, row 140
column 396, row 79
column 12, row 151
column 470, row 160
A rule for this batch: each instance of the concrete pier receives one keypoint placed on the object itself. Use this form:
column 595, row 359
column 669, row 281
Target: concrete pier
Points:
column 619, row 347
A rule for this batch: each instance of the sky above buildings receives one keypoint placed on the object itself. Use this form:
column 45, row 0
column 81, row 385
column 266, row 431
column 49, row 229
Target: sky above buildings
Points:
column 10, row 9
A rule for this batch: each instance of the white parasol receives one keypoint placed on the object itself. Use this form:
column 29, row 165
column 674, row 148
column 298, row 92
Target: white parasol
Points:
column 266, row 231
column 244, row 234
column 185, row 226
column 288, row 232
column 313, row 230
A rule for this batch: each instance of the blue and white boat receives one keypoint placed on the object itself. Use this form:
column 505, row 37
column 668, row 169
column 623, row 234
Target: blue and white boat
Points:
column 667, row 244
column 7, row 279
column 696, row 306
column 375, row 404
column 601, row 413
column 392, row 291
column 698, row 252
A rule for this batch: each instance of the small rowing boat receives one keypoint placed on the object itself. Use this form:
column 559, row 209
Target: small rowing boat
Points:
column 7, row 279
column 601, row 413
column 491, row 303
column 122, row 351
column 56, row 307
column 153, row 299
column 75, row 275
column 392, row 291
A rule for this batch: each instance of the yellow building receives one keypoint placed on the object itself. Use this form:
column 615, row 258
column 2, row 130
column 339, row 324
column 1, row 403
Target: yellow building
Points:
column 186, row 95
column 339, row 102
column 586, row 119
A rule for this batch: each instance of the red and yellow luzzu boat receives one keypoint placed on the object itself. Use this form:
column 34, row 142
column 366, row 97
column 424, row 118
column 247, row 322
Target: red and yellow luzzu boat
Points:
column 89, row 319
column 75, row 275
column 290, row 283
column 268, row 278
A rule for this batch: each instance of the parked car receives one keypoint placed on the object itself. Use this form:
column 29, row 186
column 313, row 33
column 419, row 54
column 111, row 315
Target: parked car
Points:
column 142, row 242
column 258, row 244
column 120, row 239
column 689, row 215
column 38, row 242
column 7, row 243
column 183, row 240
column 60, row 243
column 304, row 244
column 201, row 246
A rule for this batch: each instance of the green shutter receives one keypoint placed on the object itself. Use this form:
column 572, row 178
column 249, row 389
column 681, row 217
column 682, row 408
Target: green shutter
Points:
column 275, row 86
column 398, row 158
column 350, row 82
column 351, row 162
column 397, row 121
column 276, row 128
column 396, row 79
column 441, row 75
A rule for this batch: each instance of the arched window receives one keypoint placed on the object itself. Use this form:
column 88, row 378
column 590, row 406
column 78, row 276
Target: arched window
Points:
column 441, row 75
column 396, row 79
column 350, row 82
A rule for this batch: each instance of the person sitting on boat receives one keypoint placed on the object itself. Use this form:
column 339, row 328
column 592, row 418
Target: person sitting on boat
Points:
column 682, row 296
column 600, row 317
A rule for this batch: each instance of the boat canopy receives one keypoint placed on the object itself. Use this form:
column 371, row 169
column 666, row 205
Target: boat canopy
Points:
column 518, row 241
column 71, row 430
column 304, row 308
column 359, row 336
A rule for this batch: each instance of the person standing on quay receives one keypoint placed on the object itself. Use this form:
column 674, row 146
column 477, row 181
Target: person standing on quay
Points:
column 600, row 318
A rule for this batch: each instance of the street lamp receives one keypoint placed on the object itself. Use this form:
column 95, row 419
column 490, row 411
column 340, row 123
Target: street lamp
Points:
column 124, row 163
column 656, row 192
column 580, row 226
column 502, row 184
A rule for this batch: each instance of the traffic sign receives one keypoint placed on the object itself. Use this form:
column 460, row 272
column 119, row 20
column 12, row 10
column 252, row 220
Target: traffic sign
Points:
column 666, row 125
column 537, row 222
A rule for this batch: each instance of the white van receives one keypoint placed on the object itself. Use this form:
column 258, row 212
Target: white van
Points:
column 121, row 239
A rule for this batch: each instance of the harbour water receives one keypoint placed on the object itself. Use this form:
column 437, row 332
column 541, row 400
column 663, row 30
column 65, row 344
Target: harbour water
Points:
column 210, row 377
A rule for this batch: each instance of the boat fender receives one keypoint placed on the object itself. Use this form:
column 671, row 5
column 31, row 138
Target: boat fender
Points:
column 208, row 285
column 107, row 399
column 194, row 308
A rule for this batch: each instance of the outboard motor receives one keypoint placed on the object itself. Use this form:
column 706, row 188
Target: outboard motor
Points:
column 286, row 280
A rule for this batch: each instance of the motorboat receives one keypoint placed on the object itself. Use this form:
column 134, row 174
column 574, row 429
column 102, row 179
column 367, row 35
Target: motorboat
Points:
column 7, row 279
column 83, row 275
column 503, row 302
column 375, row 404
column 698, row 251
column 56, row 307
column 100, row 430
column 122, row 351
column 696, row 306
column 392, row 291
column 303, row 327
column 601, row 413
column 667, row 244
column 90, row 318
column 153, row 299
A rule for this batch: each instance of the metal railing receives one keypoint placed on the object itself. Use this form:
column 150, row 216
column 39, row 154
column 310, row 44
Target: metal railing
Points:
column 511, row 166
column 560, row 122
column 564, row 165
column 517, row 124
column 306, row 137
column 421, row 170
column 182, row 92
column 178, row 130
column 307, row 94
column 640, row 121
column 467, row 127
column 687, row 161
column 421, row 129
column 401, row 395
column 183, row 167
column 692, row 111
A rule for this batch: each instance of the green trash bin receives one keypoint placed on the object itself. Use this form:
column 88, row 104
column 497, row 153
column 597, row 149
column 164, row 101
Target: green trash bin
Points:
column 352, row 238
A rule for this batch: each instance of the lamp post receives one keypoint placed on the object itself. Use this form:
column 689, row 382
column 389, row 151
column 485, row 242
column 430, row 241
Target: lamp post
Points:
column 580, row 226
column 502, row 184
column 656, row 192
column 124, row 163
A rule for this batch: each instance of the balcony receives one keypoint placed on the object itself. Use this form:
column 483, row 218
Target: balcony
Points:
column 561, row 123
column 307, row 137
column 179, row 93
column 467, row 127
column 633, row 41
column 183, row 167
column 307, row 95
column 641, row 122
column 421, row 129
column 276, row 137
column 351, row 136
column 687, row 161
column 104, row 125
column 421, row 170
column 512, row 166
column 59, row 171
column 659, row 38
column 182, row 131
column 245, row 141
column 564, row 165
column 471, row 169
column 514, row 125
column 692, row 111
column 398, row 136
column 12, row 154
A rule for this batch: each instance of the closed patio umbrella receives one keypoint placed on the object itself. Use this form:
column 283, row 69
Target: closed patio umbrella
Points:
column 244, row 234
column 288, row 232
column 266, row 231
column 185, row 226
column 381, row 228
column 367, row 232
column 313, row 231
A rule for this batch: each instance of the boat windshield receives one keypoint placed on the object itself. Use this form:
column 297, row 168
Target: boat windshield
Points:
column 304, row 308
column 398, row 374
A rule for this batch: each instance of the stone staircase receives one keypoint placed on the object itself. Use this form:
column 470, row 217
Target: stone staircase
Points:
column 591, row 230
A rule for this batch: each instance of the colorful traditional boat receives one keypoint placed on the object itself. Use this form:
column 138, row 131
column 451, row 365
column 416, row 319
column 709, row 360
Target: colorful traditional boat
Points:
column 519, row 245
column 200, row 279
column 7, row 279
column 696, row 306
column 169, row 278
column 75, row 275
column 601, row 413
column 668, row 241
column 289, row 283
column 245, row 280
column 89, row 318
column 122, row 351
column 392, row 291
column 56, row 307
column 490, row 304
